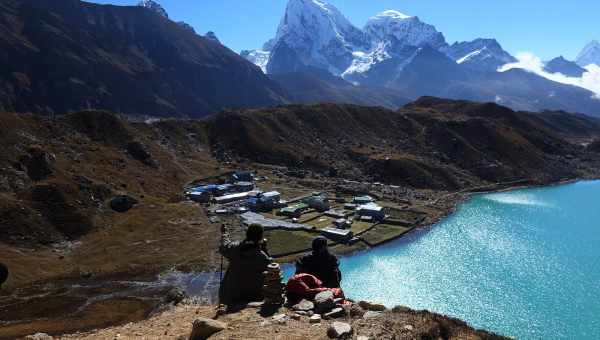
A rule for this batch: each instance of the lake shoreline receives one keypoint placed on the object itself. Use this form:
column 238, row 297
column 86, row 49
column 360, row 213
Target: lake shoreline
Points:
column 452, row 202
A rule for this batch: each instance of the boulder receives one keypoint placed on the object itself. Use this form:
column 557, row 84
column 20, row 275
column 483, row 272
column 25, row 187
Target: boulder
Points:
column 376, row 307
column 335, row 313
column 356, row 310
column 339, row 330
column 280, row 318
column 316, row 318
column 39, row 336
column 122, row 203
column 303, row 305
column 324, row 302
column 175, row 296
column 203, row 328
column 371, row 314
column 255, row 304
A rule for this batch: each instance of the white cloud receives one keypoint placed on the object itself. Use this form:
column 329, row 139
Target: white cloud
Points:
column 530, row 62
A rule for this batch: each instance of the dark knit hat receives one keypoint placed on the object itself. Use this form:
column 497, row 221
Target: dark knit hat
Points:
column 255, row 233
column 319, row 244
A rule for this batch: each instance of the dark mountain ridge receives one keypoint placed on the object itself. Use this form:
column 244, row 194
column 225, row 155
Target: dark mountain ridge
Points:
column 68, row 55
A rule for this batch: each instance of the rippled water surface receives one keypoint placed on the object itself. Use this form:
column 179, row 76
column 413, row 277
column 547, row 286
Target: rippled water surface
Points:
column 524, row 264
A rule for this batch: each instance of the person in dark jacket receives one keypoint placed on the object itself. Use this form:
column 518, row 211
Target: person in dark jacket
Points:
column 3, row 274
column 321, row 263
column 248, row 260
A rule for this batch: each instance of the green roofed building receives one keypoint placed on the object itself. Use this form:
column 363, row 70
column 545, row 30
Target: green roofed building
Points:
column 363, row 200
column 295, row 210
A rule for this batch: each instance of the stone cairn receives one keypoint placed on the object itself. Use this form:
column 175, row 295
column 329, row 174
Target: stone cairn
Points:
column 273, row 288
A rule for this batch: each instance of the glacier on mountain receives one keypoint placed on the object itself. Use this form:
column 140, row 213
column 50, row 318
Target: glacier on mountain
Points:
column 313, row 33
column 259, row 58
column 403, row 30
column 479, row 54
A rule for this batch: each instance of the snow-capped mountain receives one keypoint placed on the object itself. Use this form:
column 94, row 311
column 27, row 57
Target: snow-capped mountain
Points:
column 314, row 33
column 259, row 58
column 590, row 54
column 479, row 54
column 403, row 54
column 564, row 66
column 403, row 30
column 155, row 7
column 393, row 35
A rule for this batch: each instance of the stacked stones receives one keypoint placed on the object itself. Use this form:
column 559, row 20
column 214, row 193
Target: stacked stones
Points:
column 273, row 288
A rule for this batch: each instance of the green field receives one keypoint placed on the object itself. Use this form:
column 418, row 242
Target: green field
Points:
column 384, row 232
column 281, row 241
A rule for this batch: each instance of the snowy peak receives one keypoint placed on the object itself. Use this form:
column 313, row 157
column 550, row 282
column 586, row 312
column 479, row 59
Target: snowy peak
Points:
column 155, row 7
column 392, row 15
column 481, row 54
column 318, row 21
column 403, row 30
column 590, row 54
column 316, row 34
column 259, row 58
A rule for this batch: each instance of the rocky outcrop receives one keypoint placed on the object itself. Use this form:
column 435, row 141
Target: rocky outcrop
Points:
column 203, row 328
column 38, row 163
column 139, row 152
column 123, row 203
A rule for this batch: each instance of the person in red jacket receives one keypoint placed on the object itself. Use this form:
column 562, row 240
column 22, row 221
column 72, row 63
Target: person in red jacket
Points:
column 306, row 286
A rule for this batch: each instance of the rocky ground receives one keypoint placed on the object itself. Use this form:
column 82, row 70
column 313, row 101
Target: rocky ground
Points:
column 286, row 324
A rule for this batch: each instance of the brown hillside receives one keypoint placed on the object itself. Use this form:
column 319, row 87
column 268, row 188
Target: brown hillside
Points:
column 431, row 143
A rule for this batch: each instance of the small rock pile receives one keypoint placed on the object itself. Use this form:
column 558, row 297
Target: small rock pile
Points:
column 273, row 288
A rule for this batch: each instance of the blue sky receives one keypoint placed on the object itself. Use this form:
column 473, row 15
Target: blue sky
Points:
column 545, row 28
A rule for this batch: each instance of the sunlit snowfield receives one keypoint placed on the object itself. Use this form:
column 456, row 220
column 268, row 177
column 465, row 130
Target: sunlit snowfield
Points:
column 524, row 264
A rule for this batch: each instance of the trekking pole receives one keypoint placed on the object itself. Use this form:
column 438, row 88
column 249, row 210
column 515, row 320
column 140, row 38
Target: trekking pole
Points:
column 222, row 244
column 220, row 310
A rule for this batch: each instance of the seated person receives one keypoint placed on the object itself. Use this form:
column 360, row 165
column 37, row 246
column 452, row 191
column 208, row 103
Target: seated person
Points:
column 3, row 274
column 243, row 281
column 321, row 263
column 306, row 286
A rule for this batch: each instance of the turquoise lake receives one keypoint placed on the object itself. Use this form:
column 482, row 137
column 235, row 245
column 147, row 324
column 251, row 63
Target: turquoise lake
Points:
column 524, row 263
